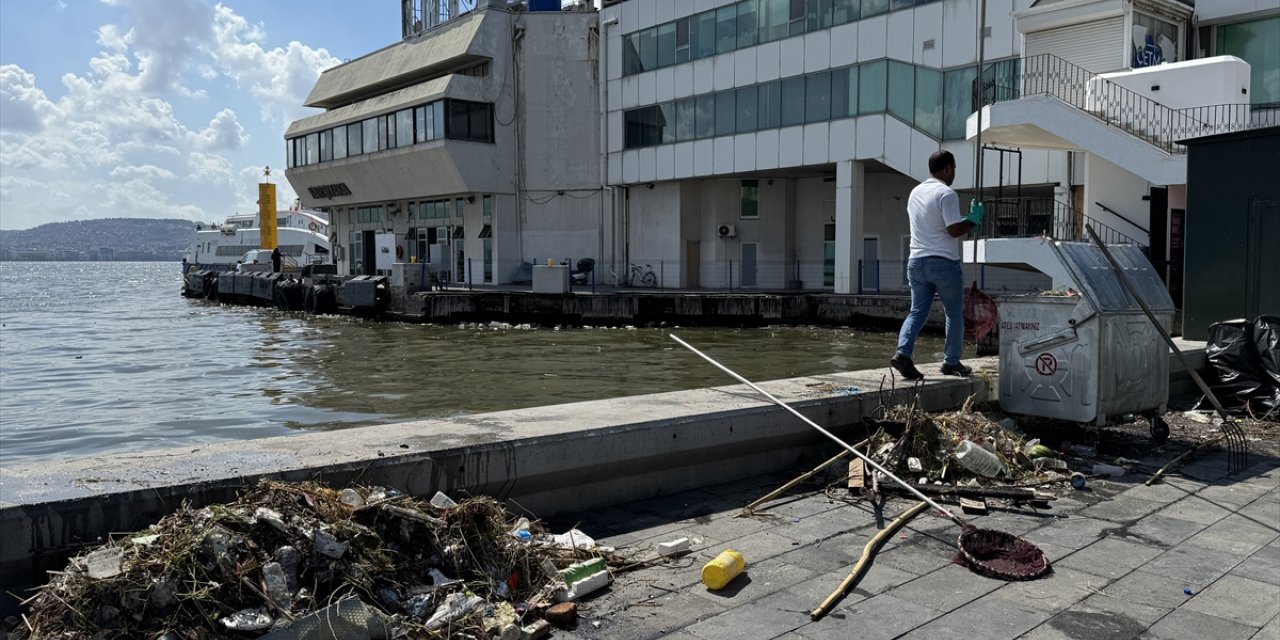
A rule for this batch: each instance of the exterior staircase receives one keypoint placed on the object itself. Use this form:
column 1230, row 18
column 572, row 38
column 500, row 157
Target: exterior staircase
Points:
column 1051, row 103
column 1015, row 233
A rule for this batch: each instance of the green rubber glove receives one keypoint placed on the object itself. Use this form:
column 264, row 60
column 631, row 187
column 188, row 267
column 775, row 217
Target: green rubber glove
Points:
column 976, row 209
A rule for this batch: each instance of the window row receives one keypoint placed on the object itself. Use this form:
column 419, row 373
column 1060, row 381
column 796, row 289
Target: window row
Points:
column 433, row 209
column 741, row 25
column 933, row 101
column 294, row 250
column 453, row 119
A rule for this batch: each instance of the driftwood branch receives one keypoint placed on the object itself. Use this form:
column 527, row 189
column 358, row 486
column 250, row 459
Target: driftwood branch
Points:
column 1155, row 477
column 868, row 551
column 804, row 476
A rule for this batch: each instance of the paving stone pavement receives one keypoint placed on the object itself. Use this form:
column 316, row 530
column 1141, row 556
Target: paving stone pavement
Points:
column 1196, row 557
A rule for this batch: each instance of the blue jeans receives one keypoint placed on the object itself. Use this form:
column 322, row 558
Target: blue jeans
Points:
column 928, row 276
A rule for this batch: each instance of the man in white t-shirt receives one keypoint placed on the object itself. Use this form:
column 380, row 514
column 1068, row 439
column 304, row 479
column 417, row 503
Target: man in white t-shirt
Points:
column 934, row 265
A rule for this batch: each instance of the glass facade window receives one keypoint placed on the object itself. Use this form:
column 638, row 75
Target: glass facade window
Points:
column 631, row 54
column 382, row 132
column 934, row 102
column 957, row 101
column 726, row 113
column 705, row 120
column 871, row 87
column 844, row 92
column 326, row 145
column 749, row 200
column 774, row 19
column 746, row 107
column 339, row 143
column 793, row 101
column 747, row 23
column 355, row 146
column 685, row 118
column 404, row 127
column 769, row 114
column 649, row 49
column 666, row 42
column 370, row 135
column 682, row 41
column 928, row 101
column 817, row 97
column 1258, row 43
column 726, row 28
column 743, row 24
column 872, row 8
column 313, row 148
column 902, row 89
column 703, row 35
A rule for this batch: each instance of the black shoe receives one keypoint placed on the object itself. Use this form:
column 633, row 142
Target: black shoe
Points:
column 904, row 366
column 957, row 369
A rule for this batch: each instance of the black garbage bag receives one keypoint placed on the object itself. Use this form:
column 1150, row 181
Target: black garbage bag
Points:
column 1266, row 342
column 1239, row 376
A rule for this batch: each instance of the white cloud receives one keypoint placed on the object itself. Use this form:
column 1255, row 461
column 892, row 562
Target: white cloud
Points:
column 224, row 133
column 279, row 78
column 117, row 136
column 24, row 108
column 141, row 171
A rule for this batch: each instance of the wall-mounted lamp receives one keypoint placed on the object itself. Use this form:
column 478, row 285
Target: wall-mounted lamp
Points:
column 610, row 22
column 769, row 181
column 649, row 186
column 471, row 199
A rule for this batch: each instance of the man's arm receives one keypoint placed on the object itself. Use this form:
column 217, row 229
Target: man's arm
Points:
column 970, row 221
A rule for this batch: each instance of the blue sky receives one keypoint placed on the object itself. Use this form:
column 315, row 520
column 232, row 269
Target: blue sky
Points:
column 161, row 108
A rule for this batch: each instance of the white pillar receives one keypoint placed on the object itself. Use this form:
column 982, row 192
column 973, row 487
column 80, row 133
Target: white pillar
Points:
column 850, row 187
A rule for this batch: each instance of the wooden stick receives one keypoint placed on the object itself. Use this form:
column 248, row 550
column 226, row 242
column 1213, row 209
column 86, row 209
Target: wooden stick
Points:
column 1155, row 477
column 1009, row 493
column 804, row 476
column 861, row 567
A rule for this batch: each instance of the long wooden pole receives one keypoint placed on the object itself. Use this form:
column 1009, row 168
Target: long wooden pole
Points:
column 860, row 568
column 801, row 478
column 874, row 465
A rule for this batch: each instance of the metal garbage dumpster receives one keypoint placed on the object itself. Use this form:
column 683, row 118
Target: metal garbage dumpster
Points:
column 1091, row 355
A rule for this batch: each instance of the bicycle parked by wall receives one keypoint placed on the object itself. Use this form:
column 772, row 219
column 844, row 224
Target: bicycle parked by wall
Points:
column 642, row 276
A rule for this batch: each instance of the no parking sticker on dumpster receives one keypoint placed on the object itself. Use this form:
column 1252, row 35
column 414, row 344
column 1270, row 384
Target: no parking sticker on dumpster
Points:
column 1046, row 364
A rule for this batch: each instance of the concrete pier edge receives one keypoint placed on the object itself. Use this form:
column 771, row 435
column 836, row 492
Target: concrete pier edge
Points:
column 549, row 460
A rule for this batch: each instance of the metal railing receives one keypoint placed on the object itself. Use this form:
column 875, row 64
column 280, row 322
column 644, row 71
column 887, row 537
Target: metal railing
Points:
column 1120, row 107
column 1043, row 217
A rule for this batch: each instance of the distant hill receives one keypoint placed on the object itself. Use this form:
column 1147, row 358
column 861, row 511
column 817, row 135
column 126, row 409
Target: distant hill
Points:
column 140, row 236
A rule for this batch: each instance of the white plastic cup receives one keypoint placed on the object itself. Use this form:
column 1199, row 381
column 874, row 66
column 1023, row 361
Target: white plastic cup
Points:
column 978, row 460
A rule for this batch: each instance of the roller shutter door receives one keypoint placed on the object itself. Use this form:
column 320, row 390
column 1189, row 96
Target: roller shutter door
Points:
column 1098, row 46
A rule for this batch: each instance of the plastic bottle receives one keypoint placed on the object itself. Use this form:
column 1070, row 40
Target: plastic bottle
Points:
column 723, row 569
column 978, row 460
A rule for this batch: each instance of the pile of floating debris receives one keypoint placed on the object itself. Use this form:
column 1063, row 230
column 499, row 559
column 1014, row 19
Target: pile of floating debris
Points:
column 298, row 561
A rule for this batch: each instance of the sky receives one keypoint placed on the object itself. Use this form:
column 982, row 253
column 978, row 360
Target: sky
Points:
column 161, row 108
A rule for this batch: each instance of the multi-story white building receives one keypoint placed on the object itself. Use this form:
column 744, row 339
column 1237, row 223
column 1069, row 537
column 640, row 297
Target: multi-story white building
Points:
column 471, row 143
column 766, row 143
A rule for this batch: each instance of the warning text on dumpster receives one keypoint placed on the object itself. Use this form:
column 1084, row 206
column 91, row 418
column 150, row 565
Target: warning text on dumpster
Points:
column 1046, row 364
column 1020, row 326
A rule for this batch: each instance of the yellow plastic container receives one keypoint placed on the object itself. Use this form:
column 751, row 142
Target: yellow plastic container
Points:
column 721, row 571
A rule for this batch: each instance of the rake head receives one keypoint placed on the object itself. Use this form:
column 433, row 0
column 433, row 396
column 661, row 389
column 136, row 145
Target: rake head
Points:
column 1237, row 447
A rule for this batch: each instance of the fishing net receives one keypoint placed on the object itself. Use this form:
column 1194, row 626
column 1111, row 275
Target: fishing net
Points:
column 996, row 554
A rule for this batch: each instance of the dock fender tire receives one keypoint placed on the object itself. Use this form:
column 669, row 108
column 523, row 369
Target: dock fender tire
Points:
column 281, row 299
column 212, row 293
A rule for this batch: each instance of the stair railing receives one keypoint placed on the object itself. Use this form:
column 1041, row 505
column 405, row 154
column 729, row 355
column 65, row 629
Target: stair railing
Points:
column 1117, row 106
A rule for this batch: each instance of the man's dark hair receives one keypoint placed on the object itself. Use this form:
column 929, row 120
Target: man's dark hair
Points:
column 941, row 160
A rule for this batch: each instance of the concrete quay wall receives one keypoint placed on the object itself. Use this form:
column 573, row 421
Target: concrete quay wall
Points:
column 552, row 459
column 625, row 307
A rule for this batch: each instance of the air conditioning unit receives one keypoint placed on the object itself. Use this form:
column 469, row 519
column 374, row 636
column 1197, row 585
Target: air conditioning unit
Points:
column 726, row 231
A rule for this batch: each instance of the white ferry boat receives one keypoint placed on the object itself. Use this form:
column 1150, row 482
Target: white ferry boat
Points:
column 302, row 235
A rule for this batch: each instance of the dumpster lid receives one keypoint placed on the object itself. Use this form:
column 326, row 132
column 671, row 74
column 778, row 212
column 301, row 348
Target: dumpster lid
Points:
column 1100, row 284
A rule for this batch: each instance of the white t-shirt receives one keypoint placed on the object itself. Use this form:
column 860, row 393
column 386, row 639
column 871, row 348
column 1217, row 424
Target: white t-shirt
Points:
column 932, row 207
